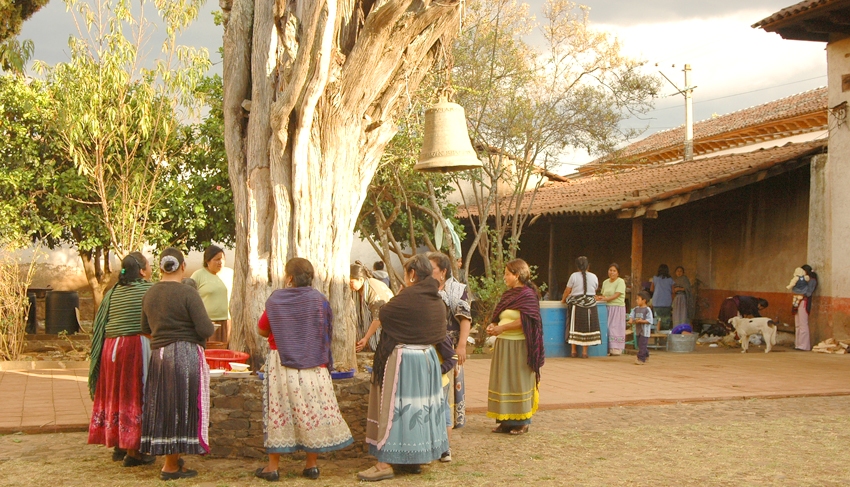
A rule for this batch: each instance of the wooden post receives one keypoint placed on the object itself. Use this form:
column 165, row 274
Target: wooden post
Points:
column 553, row 279
column 637, row 257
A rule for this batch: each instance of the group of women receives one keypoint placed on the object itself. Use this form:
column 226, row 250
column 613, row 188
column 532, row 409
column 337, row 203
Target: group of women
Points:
column 150, row 381
column 148, row 377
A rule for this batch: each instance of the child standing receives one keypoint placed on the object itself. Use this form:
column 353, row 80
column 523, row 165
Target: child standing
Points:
column 641, row 316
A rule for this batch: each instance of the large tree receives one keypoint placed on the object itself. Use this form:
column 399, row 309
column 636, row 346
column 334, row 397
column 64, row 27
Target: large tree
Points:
column 13, row 13
column 311, row 91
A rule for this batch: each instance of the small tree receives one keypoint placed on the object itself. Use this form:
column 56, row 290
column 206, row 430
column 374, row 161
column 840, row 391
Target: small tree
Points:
column 117, row 118
column 527, row 107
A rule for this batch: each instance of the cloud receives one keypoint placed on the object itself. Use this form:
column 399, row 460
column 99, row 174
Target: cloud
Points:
column 630, row 12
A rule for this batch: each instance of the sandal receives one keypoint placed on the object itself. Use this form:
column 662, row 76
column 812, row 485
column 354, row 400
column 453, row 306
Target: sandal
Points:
column 501, row 429
column 573, row 354
column 519, row 430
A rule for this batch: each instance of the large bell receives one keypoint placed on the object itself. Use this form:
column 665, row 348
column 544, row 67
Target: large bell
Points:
column 446, row 146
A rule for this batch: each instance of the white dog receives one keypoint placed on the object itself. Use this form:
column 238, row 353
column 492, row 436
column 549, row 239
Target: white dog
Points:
column 750, row 326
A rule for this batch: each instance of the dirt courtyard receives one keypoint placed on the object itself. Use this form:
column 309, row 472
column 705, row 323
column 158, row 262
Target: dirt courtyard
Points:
column 784, row 442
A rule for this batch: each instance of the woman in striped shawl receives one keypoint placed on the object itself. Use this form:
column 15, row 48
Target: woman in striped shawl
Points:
column 301, row 412
column 512, row 396
column 119, row 362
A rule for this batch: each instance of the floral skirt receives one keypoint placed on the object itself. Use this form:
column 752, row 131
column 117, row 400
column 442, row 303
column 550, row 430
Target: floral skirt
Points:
column 300, row 411
column 177, row 401
column 116, row 418
column 406, row 421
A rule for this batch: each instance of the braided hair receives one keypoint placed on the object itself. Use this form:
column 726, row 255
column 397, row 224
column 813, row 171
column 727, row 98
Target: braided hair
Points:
column 131, row 268
column 583, row 263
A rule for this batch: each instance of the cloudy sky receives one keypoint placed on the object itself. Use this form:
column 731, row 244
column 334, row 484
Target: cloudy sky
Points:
column 733, row 65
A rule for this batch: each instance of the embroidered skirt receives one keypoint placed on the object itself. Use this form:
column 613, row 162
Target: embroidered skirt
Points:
column 583, row 326
column 116, row 418
column 300, row 411
column 512, row 395
column 177, row 401
column 406, row 420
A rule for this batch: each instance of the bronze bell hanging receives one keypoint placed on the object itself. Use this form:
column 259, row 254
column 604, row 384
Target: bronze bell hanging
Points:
column 446, row 146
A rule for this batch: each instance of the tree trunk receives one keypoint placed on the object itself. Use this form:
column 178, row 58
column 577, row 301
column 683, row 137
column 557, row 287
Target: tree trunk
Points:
column 310, row 93
column 94, row 276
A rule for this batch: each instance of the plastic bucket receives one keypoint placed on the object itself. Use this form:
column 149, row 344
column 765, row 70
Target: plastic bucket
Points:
column 61, row 312
column 683, row 343
column 218, row 359
column 553, row 314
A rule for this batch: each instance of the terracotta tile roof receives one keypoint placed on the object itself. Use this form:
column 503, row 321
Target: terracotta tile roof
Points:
column 803, row 112
column 792, row 11
column 644, row 185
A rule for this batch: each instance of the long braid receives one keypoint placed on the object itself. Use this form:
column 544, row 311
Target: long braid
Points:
column 584, row 280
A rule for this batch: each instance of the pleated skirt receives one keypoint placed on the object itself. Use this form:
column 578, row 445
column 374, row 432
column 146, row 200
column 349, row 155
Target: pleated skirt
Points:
column 583, row 326
column 512, row 395
column 116, row 419
column 177, row 401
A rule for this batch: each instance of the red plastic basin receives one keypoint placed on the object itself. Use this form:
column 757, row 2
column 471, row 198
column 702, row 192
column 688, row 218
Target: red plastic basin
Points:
column 218, row 359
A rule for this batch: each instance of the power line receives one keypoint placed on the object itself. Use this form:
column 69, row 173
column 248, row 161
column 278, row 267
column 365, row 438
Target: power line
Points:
column 739, row 94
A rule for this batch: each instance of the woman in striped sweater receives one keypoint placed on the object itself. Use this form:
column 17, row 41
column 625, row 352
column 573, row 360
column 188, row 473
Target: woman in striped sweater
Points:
column 300, row 408
column 119, row 360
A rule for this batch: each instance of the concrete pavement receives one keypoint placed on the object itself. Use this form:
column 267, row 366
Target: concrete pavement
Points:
column 54, row 400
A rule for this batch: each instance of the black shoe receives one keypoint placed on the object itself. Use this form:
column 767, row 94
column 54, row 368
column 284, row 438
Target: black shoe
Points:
column 143, row 460
column 118, row 454
column 272, row 476
column 311, row 473
column 180, row 474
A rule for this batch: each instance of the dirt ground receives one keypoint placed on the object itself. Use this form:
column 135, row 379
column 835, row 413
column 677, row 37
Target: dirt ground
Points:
column 776, row 442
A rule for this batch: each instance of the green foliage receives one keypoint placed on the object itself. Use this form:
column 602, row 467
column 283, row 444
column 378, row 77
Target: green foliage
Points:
column 198, row 206
column 118, row 120
column 14, row 55
column 13, row 13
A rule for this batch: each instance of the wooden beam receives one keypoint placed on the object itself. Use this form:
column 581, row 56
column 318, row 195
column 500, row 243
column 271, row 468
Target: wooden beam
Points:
column 637, row 257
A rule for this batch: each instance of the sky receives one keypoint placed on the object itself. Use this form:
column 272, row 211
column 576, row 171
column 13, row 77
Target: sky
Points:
column 733, row 66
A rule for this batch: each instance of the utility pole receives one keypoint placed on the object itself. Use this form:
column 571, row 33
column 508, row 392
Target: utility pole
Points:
column 689, row 115
column 688, row 91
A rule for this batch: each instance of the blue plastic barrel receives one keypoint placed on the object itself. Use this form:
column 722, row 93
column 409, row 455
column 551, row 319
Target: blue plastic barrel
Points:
column 601, row 350
column 554, row 317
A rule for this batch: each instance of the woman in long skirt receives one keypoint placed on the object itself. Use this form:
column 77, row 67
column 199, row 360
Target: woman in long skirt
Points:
column 614, row 297
column 802, row 341
column 512, row 396
column 683, row 298
column 582, row 317
column 177, row 394
column 406, row 419
column 299, row 404
column 119, row 364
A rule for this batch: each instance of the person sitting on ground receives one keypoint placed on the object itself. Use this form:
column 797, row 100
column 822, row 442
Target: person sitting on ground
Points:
column 746, row 306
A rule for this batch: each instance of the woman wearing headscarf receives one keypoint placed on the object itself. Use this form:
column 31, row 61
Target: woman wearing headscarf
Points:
column 299, row 404
column 406, row 419
column 214, row 283
column 371, row 295
column 513, row 396
column 177, row 393
column 456, row 297
column 801, row 318
column 683, row 298
column 119, row 362
column 582, row 315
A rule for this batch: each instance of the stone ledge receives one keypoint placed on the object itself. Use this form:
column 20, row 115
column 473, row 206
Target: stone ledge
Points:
column 236, row 416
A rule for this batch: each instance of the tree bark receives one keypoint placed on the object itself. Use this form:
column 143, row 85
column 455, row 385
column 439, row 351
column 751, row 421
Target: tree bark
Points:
column 310, row 93
column 94, row 276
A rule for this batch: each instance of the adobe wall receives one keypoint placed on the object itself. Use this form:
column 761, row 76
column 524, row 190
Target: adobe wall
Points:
column 745, row 241
column 829, row 216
